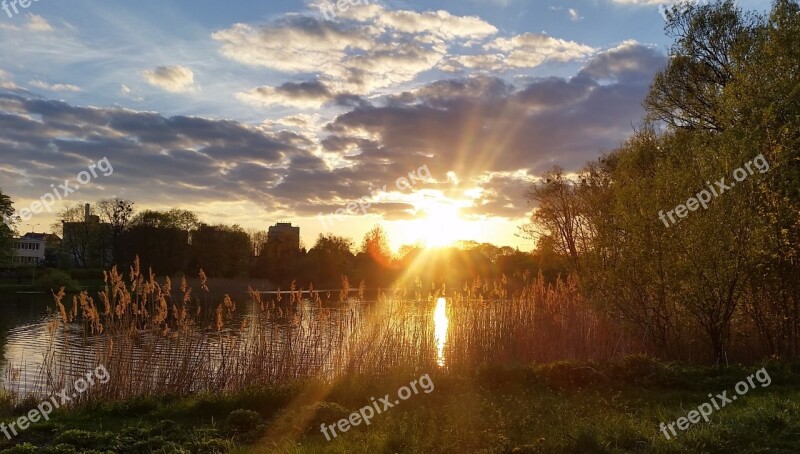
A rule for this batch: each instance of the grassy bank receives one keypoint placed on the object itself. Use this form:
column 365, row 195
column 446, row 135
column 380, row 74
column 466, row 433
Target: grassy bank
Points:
column 559, row 407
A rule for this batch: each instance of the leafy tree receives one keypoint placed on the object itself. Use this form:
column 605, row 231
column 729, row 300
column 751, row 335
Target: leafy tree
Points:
column 374, row 263
column 160, row 239
column 6, row 228
column 376, row 245
column 330, row 259
column 221, row 251
column 762, row 104
column 171, row 219
column 711, row 41
column 730, row 93
column 558, row 215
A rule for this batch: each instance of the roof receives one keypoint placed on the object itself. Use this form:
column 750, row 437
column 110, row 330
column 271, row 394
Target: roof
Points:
column 39, row 236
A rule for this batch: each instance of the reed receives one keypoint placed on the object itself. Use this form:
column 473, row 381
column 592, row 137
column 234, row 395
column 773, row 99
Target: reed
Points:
column 156, row 340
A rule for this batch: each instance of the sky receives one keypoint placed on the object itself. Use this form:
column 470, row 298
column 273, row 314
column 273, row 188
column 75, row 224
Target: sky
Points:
column 428, row 118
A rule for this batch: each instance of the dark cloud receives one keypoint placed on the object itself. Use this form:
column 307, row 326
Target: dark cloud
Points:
column 493, row 135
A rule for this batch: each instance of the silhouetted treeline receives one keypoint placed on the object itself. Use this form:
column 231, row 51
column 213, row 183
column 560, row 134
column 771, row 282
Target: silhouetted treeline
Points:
column 175, row 241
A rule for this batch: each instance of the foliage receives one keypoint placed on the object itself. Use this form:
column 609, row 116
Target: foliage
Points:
column 53, row 280
column 221, row 251
column 7, row 223
column 727, row 273
column 170, row 219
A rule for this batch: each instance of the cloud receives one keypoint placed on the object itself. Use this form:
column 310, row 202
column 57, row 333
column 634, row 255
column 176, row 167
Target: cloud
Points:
column 628, row 61
column 37, row 23
column 367, row 48
column 303, row 95
column 483, row 126
column 438, row 23
column 525, row 51
column 6, row 82
column 54, row 87
column 176, row 79
column 573, row 15
column 494, row 134
column 293, row 44
column 532, row 49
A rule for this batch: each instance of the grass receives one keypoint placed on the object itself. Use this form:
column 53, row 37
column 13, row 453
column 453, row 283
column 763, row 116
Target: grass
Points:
column 562, row 407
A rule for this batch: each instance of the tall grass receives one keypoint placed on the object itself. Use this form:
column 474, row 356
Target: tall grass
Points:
column 156, row 340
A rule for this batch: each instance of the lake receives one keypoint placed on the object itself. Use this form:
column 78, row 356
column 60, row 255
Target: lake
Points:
column 30, row 337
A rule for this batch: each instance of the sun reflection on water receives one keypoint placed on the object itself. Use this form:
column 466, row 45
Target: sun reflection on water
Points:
column 440, row 324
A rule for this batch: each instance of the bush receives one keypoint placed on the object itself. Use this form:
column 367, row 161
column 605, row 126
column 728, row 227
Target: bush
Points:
column 245, row 425
column 54, row 280
column 243, row 421
column 21, row 449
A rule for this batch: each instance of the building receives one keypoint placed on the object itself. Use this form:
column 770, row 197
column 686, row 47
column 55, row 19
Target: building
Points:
column 280, row 255
column 33, row 249
column 285, row 235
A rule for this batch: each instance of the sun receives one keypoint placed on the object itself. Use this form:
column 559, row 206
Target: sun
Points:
column 441, row 226
column 439, row 223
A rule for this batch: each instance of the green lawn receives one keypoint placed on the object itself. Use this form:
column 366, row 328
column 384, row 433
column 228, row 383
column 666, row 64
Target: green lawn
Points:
column 561, row 407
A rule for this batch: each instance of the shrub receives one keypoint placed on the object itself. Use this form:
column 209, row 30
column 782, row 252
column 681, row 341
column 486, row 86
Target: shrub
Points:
column 243, row 421
column 25, row 448
column 54, row 280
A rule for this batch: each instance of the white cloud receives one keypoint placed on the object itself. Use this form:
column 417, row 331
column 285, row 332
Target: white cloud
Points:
column 528, row 50
column 176, row 79
column 366, row 47
column 37, row 23
column 6, row 82
column 295, row 45
column 128, row 92
column 54, row 87
column 439, row 23
column 573, row 15
column 532, row 49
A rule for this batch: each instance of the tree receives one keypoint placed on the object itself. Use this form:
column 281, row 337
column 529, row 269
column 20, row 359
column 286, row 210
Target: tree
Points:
column 329, row 260
column 374, row 263
column 160, row 239
column 258, row 240
column 763, row 104
column 118, row 213
column 171, row 219
column 86, row 241
column 221, row 251
column 7, row 227
column 376, row 245
column 558, row 214
column 711, row 41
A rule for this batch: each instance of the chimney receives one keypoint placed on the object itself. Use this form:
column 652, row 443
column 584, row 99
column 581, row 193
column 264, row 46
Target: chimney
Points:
column 86, row 210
